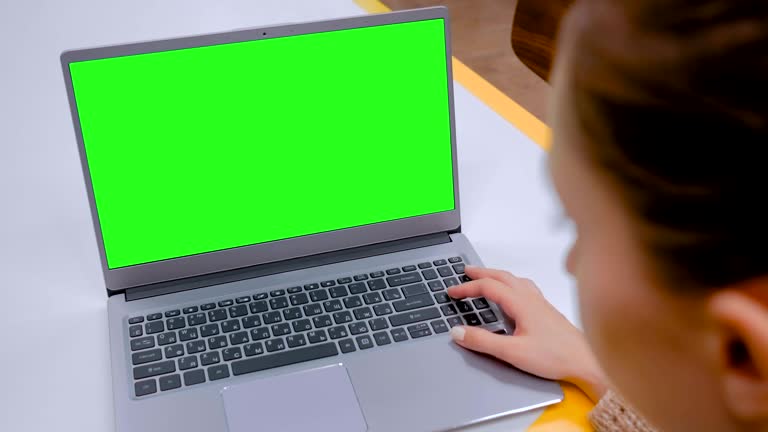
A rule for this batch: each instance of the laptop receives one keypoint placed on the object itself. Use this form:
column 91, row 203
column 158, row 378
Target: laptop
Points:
column 277, row 216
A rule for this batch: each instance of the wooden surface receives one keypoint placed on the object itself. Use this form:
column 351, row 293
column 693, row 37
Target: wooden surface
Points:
column 480, row 31
column 534, row 30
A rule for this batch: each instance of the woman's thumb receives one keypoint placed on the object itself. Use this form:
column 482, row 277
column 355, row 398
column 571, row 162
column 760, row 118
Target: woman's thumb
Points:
column 480, row 340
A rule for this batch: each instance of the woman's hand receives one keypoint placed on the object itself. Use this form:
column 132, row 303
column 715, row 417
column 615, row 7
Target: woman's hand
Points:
column 545, row 343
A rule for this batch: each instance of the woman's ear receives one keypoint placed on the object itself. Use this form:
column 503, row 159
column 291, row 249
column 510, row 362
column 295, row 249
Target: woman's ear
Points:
column 741, row 316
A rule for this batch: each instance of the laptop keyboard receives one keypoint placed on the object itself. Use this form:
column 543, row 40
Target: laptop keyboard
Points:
column 216, row 340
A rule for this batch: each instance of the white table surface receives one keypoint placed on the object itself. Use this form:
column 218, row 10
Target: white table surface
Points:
column 54, row 349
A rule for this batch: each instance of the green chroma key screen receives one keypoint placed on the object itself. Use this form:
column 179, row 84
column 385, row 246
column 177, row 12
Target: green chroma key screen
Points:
column 203, row 149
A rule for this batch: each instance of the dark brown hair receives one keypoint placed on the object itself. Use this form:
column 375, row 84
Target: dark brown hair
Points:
column 672, row 97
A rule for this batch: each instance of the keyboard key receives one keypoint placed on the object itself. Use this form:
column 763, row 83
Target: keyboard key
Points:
column 281, row 329
column 393, row 271
column 342, row 317
column 317, row 336
column 363, row 313
column 251, row 321
column 244, row 299
column 414, row 317
column 230, row 354
column 429, row 274
column 371, row 298
column 209, row 358
column 488, row 316
column 377, row 324
column 154, row 327
column 449, row 309
column 136, row 320
column 414, row 290
column 458, row 268
column 409, row 268
column 253, row 349
column 357, row 288
column 294, row 341
column 238, row 338
column 313, row 309
column 377, row 284
column 166, row 338
column 272, row 317
column 392, row 294
column 399, row 334
column 347, row 346
column 464, row 278
column 218, row 372
column 382, row 338
column 277, row 293
column 195, row 346
column 322, row 321
column 258, row 307
column 170, row 382
column 209, row 330
column 143, row 388
column 154, row 369
column 328, row 283
column 302, row 325
column 135, row 331
column 319, row 295
column 481, row 303
column 142, row 343
column 216, row 342
column 358, row 327
column 277, row 344
column 435, row 285
column 344, row 280
column 439, row 326
column 260, row 296
column 377, row 274
column 442, row 297
column 194, row 377
column 225, row 303
column 364, row 342
column 259, row 333
column 451, row 281
column 190, row 309
column 352, row 302
column 415, row 334
column 444, row 271
column 332, row 306
column 217, row 315
column 154, row 316
column 230, row 326
column 196, row 319
column 238, row 311
column 278, row 303
column 311, row 286
column 464, row 306
column 440, row 262
column 382, row 309
column 292, row 313
column 173, row 351
column 294, row 290
column 425, row 265
column 415, row 302
column 337, row 332
column 404, row 279
column 207, row 306
column 186, row 363
column 146, row 356
column 454, row 259
column 361, row 277
column 472, row 319
column 299, row 299
column 454, row 321
column 338, row 291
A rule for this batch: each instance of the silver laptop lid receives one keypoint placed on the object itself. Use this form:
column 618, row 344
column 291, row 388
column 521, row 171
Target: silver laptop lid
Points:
column 215, row 152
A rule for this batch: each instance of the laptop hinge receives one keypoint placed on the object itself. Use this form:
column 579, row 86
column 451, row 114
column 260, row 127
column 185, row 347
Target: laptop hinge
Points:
column 169, row 287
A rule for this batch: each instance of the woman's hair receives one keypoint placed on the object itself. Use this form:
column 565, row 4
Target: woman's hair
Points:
column 672, row 98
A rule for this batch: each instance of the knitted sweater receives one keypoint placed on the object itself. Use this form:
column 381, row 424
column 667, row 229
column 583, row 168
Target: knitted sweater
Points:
column 612, row 414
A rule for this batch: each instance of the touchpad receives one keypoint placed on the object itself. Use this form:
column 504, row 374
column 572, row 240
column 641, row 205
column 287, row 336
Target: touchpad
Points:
column 316, row 399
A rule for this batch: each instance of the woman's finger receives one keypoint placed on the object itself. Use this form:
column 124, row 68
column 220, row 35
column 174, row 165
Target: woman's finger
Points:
column 482, row 340
column 482, row 272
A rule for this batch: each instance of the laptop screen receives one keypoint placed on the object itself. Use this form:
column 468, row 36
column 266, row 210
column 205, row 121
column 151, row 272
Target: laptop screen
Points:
column 216, row 147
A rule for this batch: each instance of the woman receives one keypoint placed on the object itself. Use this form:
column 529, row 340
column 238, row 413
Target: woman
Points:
column 660, row 125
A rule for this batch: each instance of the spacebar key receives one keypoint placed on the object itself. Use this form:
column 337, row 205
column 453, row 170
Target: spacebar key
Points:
column 256, row 364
